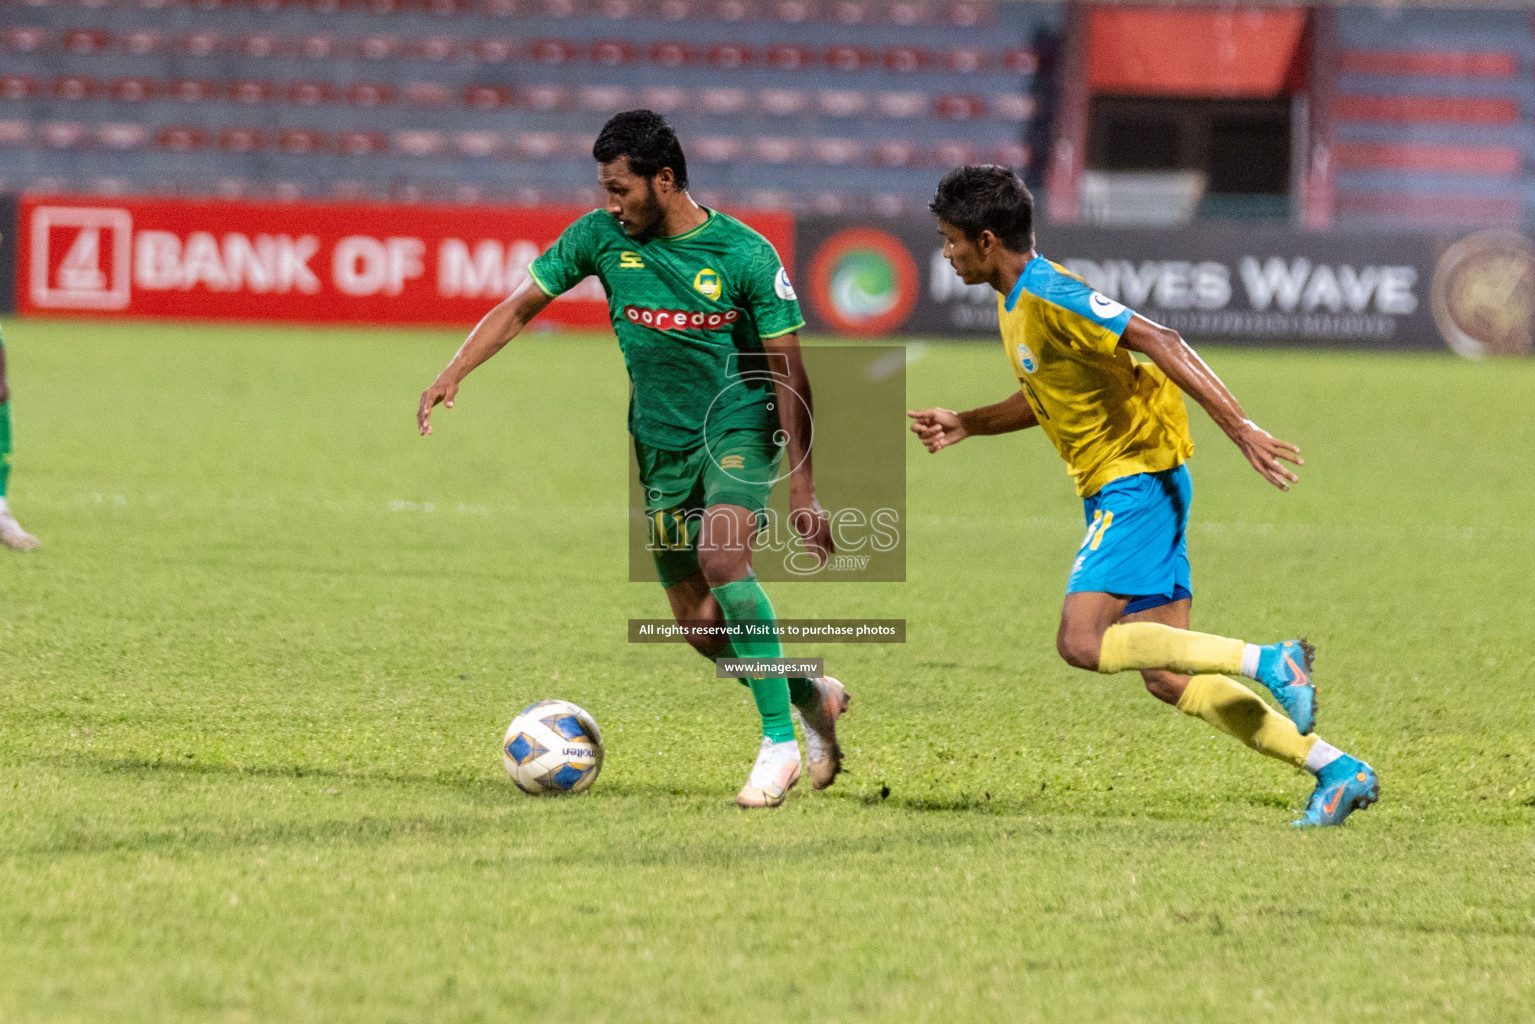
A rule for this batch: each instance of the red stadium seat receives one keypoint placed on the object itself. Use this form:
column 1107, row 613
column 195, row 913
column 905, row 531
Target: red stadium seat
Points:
column 18, row 87
column 241, row 140
column 837, row 152
column 361, row 143
column 142, row 42
column 24, row 39
column 612, row 53
column 250, row 92
column 203, row 43
column 725, row 101
column 311, row 94
column 1454, row 64
column 958, row 107
column 193, row 90
column 1013, row 106
column 789, row 57
column 133, row 90
column 665, row 99
column 830, row 204
column 1011, row 154
column 906, row 13
column 607, row 99
column 768, row 199
column 498, row 8
column 417, row 142
column 107, row 185
column 849, row 58
column 479, row 144
column 435, row 48
column 730, row 56
column 616, row 10
column 538, row 145
column 260, row 45
column 444, row 8
column 771, row 149
column 850, row 12
column 1020, row 61
column 842, row 102
column 383, row 8
column 902, row 104
column 553, row 51
column 675, row 10
column 966, row 13
column 952, row 153
column 895, row 153
column 236, row 188
column 1495, row 161
column 671, row 54
column 545, row 98
column 559, row 8
column 716, row 149
column 300, row 142
column 906, row 59
column 1442, row 109
column 319, row 46
column 964, row 60
column 15, row 132
column 425, row 94
column 85, row 41
column 181, row 138
column 784, row 102
column 378, row 47
column 121, row 135
column 792, row 12
column 370, row 94
column 487, row 97
column 267, row 6
column 494, row 51
column 323, row 6
column 75, row 87
column 731, row 10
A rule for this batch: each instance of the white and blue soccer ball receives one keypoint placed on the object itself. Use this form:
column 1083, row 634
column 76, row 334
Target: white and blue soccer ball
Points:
column 553, row 747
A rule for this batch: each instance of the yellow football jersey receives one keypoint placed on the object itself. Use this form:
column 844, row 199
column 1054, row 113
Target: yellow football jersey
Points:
column 1108, row 416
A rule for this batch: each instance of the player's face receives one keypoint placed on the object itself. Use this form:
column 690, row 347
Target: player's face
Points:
column 632, row 199
column 970, row 259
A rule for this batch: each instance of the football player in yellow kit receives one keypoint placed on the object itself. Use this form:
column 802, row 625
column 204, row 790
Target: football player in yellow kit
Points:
column 1123, row 431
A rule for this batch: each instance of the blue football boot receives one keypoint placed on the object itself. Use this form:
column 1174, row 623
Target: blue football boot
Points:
column 1343, row 787
column 1285, row 668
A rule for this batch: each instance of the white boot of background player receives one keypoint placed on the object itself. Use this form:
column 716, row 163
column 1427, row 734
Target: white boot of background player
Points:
column 11, row 533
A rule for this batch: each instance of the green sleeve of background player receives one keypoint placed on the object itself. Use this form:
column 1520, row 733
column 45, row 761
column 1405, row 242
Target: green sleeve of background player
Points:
column 770, row 296
column 569, row 260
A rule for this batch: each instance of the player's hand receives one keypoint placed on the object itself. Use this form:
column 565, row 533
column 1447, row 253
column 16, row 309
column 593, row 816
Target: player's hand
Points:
column 1265, row 451
column 937, row 428
column 812, row 523
column 443, row 391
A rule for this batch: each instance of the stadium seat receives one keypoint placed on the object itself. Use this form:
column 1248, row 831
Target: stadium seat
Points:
column 24, row 39
column 665, row 99
column 320, row 46
column 418, row 142
column 75, row 87
column 204, row 43
column 231, row 187
column 959, row 107
column 768, row 199
column 537, row 145
column 487, row 97
column 435, row 48
column 966, row 13
column 675, row 10
column 445, row 8
column 730, row 56
column 494, row 51
column 498, row 8
column 616, row 10
column 906, row 13
column 850, row 12
column 831, row 204
column 310, row 94
column 251, row 92
column 1012, row 106
column 553, row 51
column 792, row 12
column 1020, row 61
column 1451, row 109
column 300, row 141
column 259, row 45
column 671, row 54
column 906, row 59
column 370, row 94
column 425, row 94
column 142, row 42
column 902, row 104
column 133, row 90
column 731, row 10
column 181, row 138
column 361, row 143
column 723, row 100
column 109, row 185
column 378, row 47
column 85, row 41
column 1449, row 64
column 841, row 102
column 241, row 140
column 895, row 153
column 121, row 136
column 952, row 153
column 1495, row 161
column 15, row 132
column 789, row 57
column 848, row 58
column 545, row 99
column 784, row 102
column 193, row 90
column 964, row 60
column 62, row 134
column 837, row 152
column 774, row 149
column 612, row 53
column 1011, row 154
column 383, row 8
column 479, row 144
column 18, row 87
column 716, row 149
column 607, row 99
column 559, row 8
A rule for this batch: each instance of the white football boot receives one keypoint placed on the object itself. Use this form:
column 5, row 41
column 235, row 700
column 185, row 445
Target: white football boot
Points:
column 774, row 774
column 820, row 721
column 13, row 536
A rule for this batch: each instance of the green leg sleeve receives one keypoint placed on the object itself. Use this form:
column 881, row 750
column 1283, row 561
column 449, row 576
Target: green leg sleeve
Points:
column 743, row 601
column 5, row 446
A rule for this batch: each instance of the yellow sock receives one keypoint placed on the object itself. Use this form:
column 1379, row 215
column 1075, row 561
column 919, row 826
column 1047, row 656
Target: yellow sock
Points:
column 1132, row 645
column 1234, row 709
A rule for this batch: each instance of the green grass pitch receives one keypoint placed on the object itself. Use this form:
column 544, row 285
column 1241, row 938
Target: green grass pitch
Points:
column 252, row 687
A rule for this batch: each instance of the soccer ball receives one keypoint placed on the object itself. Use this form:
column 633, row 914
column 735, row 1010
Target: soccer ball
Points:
column 552, row 747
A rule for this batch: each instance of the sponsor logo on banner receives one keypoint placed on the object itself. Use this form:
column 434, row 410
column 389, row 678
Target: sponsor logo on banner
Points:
column 864, row 282
column 1483, row 294
column 306, row 262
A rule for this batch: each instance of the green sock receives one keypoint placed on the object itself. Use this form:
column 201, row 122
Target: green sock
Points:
column 744, row 601
column 5, row 446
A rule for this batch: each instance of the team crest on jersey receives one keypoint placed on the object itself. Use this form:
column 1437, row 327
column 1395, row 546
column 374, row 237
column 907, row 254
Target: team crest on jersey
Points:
column 630, row 261
column 707, row 283
column 782, row 288
column 1026, row 358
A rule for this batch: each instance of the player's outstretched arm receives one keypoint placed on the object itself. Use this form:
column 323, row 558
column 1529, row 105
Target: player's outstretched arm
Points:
column 1184, row 368
column 939, row 428
column 495, row 329
column 795, row 419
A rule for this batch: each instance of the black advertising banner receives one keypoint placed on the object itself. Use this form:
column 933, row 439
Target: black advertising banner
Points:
column 1234, row 283
column 7, row 254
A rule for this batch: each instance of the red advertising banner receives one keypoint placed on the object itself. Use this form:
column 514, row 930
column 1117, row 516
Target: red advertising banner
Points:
column 307, row 262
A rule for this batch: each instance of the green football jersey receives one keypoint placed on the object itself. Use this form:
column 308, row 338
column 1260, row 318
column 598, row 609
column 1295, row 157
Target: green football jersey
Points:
column 689, row 312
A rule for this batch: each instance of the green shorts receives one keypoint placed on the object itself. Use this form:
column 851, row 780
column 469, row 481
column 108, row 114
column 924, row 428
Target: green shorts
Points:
column 739, row 467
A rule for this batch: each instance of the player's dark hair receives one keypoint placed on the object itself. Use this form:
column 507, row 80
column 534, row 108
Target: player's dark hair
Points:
column 985, row 197
column 647, row 140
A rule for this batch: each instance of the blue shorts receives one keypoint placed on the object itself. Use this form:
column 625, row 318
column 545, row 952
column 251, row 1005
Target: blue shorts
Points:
column 1137, row 540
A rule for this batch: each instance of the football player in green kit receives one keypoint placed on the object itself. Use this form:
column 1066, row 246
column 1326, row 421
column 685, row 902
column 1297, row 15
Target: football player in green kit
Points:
column 693, row 295
column 11, row 533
